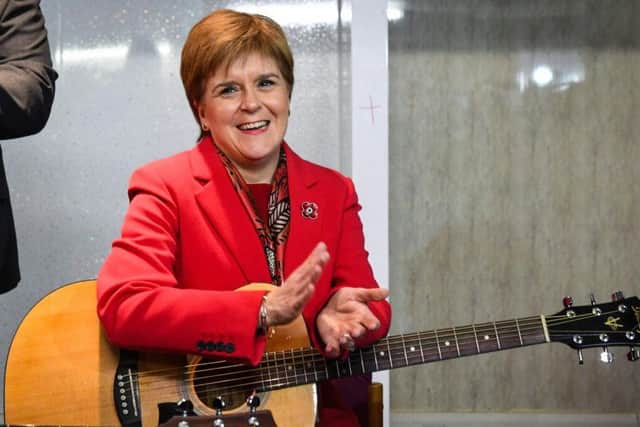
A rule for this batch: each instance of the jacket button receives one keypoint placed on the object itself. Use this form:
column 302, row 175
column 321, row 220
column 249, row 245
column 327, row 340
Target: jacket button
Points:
column 230, row 348
column 211, row 346
column 201, row 345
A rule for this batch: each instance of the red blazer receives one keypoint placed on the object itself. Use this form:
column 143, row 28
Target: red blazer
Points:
column 186, row 234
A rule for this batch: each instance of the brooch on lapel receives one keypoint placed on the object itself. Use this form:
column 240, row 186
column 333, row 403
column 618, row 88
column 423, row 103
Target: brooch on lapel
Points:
column 309, row 210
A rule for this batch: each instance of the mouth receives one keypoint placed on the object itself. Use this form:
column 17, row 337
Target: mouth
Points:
column 254, row 125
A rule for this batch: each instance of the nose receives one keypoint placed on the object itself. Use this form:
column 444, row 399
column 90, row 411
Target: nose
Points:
column 250, row 100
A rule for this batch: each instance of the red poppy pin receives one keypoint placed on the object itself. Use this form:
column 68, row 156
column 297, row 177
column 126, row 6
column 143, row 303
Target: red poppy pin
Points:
column 309, row 210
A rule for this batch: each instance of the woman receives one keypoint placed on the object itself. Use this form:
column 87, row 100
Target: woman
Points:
column 238, row 208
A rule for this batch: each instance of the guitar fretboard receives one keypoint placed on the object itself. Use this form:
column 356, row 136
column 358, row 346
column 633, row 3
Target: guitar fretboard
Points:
column 303, row 366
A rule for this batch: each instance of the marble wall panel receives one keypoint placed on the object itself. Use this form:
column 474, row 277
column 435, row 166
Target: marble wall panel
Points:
column 514, row 155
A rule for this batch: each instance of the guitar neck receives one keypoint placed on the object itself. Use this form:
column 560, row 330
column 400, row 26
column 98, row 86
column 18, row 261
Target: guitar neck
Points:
column 303, row 366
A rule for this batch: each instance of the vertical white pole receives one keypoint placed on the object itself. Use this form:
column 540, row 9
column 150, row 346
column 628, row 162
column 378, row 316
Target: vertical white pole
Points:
column 370, row 129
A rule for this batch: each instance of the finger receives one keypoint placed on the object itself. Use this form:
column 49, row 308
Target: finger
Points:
column 369, row 321
column 357, row 331
column 332, row 348
column 348, row 343
column 371, row 294
column 311, row 269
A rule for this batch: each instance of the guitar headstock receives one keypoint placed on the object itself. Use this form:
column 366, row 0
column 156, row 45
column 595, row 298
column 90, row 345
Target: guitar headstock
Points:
column 616, row 323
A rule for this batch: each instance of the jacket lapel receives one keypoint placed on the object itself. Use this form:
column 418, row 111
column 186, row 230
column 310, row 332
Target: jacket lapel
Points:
column 223, row 209
column 304, row 232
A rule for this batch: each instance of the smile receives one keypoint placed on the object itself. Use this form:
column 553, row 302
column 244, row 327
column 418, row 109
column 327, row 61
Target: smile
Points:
column 253, row 126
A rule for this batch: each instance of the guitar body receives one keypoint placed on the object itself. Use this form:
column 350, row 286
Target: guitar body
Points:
column 60, row 369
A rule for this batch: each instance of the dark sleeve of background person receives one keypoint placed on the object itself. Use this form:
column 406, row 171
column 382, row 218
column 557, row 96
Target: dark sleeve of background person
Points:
column 26, row 94
column 26, row 76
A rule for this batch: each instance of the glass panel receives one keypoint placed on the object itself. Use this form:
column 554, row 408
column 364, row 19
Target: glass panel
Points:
column 120, row 104
column 514, row 169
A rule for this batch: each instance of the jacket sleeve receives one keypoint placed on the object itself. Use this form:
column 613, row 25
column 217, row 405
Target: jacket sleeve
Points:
column 26, row 75
column 140, row 301
column 351, row 268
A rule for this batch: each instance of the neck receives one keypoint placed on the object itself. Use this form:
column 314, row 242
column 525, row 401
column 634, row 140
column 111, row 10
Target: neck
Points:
column 258, row 175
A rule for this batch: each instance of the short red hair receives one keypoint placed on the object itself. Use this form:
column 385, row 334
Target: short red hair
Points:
column 223, row 36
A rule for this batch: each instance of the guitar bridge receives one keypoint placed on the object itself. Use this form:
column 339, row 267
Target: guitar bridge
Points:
column 126, row 390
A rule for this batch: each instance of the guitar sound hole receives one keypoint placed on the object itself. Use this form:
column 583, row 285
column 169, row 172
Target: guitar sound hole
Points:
column 233, row 381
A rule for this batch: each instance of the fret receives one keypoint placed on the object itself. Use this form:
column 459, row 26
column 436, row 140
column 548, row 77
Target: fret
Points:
column 267, row 364
column 475, row 336
column 349, row 364
column 447, row 350
column 361, row 360
column 278, row 368
column 438, row 343
column 261, row 371
column 413, row 355
column 340, row 369
column 495, row 328
column 534, row 336
column 375, row 357
column 404, row 348
column 284, row 368
column 369, row 360
column 382, row 357
column 291, row 367
column 421, row 349
column 486, row 338
column 304, row 368
column 519, row 334
column 455, row 337
column 356, row 365
column 389, row 354
column 296, row 368
column 397, row 352
column 467, row 340
column 326, row 369
column 509, row 338
column 431, row 351
column 313, row 364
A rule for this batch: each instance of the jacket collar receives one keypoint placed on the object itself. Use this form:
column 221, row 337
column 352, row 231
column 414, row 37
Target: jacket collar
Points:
column 223, row 209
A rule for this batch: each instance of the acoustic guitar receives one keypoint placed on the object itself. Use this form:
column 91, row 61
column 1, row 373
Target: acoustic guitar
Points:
column 61, row 369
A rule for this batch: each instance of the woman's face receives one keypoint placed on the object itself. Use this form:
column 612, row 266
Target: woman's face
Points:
column 246, row 108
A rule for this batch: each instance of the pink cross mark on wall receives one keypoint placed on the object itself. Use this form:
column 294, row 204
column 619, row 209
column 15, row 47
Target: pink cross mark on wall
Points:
column 371, row 107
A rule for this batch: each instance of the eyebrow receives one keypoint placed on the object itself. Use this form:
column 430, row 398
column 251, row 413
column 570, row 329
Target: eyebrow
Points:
column 233, row 82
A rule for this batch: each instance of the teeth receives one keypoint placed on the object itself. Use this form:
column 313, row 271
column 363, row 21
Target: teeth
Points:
column 254, row 125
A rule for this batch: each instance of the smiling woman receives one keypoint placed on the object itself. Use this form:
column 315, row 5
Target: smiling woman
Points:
column 235, row 210
column 245, row 107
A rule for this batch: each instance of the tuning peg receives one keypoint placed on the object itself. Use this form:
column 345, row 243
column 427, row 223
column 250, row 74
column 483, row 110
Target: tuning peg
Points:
column 617, row 296
column 580, row 358
column 253, row 402
column 606, row 356
column 184, row 407
column 633, row 354
column 567, row 302
column 218, row 404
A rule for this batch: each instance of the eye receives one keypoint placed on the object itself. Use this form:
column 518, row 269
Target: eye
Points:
column 227, row 90
column 266, row 83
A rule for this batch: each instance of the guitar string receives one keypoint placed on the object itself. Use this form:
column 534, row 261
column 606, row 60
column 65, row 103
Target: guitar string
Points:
column 390, row 339
column 247, row 387
column 461, row 331
column 252, row 379
column 314, row 358
column 295, row 364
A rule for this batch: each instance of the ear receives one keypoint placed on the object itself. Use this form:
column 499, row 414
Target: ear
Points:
column 199, row 109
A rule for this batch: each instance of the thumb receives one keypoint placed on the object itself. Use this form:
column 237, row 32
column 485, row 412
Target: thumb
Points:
column 374, row 294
